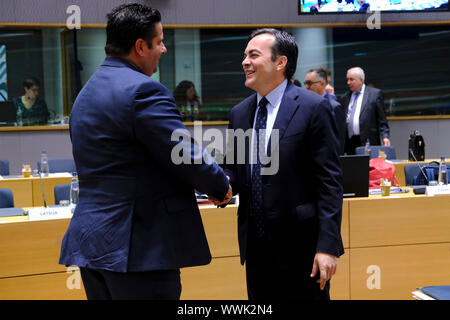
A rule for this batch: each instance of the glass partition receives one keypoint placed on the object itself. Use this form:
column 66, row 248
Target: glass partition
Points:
column 410, row 64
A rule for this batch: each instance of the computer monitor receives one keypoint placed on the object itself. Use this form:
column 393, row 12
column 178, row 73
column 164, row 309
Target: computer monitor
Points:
column 7, row 113
column 355, row 169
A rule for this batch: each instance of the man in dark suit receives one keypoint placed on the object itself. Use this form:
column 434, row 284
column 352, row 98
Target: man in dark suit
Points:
column 316, row 81
column 289, row 211
column 366, row 119
column 137, row 221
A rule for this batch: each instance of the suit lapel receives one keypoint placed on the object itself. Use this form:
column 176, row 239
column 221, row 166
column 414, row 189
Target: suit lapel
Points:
column 249, row 116
column 364, row 101
column 287, row 109
column 247, row 123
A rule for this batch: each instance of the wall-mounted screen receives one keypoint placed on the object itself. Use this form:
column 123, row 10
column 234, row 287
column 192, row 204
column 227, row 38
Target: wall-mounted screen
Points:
column 342, row 6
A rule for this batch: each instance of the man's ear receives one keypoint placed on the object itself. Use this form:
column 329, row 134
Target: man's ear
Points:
column 282, row 62
column 139, row 46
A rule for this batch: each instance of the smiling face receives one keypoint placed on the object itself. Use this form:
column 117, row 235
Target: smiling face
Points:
column 262, row 73
column 151, row 56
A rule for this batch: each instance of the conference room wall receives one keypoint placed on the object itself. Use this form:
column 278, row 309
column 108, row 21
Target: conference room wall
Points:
column 195, row 12
column 24, row 147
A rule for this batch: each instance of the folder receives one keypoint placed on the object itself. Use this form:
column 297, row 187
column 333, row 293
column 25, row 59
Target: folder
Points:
column 433, row 293
column 10, row 212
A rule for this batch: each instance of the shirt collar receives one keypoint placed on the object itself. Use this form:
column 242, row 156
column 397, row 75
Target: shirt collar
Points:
column 274, row 97
column 361, row 91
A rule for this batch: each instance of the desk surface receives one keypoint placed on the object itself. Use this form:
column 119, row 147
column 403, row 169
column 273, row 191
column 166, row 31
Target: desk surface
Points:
column 28, row 191
column 405, row 236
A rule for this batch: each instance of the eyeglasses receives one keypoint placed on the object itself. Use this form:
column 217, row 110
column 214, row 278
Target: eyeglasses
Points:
column 310, row 83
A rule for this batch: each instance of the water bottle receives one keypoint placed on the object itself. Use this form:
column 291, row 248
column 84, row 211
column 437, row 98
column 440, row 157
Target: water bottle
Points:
column 195, row 111
column 188, row 112
column 19, row 117
column 443, row 177
column 74, row 191
column 44, row 163
column 367, row 148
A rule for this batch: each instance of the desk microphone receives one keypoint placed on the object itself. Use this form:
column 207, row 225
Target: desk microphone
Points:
column 419, row 189
column 42, row 187
column 420, row 167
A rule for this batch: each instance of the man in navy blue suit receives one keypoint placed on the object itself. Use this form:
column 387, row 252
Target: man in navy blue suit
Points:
column 289, row 217
column 137, row 221
column 316, row 81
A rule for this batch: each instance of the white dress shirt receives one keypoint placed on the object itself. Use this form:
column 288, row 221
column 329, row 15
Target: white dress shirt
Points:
column 274, row 98
column 358, row 109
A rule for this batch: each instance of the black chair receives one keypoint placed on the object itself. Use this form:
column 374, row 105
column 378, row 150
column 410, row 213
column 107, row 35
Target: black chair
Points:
column 59, row 165
column 429, row 172
column 4, row 168
column 6, row 198
column 411, row 171
column 62, row 192
column 389, row 151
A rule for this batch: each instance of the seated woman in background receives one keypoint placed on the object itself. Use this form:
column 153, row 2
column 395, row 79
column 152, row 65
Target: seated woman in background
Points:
column 30, row 109
column 188, row 101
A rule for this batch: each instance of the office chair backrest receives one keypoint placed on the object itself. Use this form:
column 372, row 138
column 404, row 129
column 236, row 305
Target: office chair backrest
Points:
column 59, row 165
column 389, row 151
column 411, row 171
column 4, row 168
column 6, row 198
column 414, row 176
column 62, row 192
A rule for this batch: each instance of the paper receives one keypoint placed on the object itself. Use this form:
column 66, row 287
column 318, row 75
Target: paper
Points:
column 49, row 213
column 60, row 175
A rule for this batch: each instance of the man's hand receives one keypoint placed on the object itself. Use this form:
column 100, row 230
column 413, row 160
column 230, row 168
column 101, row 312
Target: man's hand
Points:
column 386, row 142
column 326, row 264
column 329, row 89
column 227, row 199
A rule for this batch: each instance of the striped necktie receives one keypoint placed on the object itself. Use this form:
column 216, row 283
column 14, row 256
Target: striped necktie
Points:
column 257, row 197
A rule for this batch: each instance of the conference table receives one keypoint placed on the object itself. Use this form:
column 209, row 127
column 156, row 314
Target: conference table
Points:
column 400, row 167
column 393, row 245
column 28, row 192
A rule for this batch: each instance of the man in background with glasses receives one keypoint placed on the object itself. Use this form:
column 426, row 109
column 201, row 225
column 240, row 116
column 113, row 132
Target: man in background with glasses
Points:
column 316, row 81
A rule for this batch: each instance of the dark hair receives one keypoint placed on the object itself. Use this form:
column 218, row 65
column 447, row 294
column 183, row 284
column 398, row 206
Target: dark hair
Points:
column 297, row 83
column 126, row 24
column 284, row 45
column 30, row 81
column 179, row 93
column 321, row 74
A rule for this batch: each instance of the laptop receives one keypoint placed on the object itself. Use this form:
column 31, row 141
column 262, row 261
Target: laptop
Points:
column 355, row 170
column 7, row 113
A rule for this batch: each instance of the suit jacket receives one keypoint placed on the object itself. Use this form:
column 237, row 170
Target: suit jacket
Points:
column 372, row 119
column 302, row 201
column 137, row 209
column 340, row 116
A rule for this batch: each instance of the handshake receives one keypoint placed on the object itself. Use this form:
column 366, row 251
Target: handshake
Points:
column 225, row 201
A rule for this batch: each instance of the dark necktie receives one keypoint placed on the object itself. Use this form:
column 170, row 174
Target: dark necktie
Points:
column 257, row 197
column 351, row 115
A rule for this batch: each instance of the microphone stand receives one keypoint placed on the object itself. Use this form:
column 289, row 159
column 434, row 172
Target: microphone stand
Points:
column 420, row 167
column 42, row 187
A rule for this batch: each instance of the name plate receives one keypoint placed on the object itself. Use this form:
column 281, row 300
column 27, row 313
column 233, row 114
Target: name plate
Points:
column 42, row 213
column 437, row 190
